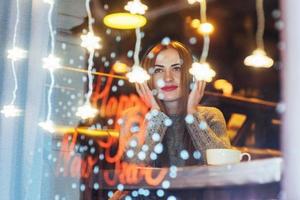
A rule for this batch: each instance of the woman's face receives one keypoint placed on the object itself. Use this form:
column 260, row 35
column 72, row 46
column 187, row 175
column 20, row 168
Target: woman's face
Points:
column 167, row 75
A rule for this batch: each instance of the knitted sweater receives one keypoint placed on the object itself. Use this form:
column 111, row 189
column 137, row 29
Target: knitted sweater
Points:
column 169, row 139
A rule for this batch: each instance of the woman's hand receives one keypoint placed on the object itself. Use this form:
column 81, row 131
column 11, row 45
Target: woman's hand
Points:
column 145, row 93
column 118, row 195
column 195, row 96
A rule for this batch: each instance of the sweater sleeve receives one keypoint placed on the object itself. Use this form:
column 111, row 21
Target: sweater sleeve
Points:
column 207, row 129
column 139, row 153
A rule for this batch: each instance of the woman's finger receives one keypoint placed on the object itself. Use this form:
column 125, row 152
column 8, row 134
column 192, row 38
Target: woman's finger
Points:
column 118, row 195
column 203, row 87
column 147, row 89
column 137, row 87
column 144, row 90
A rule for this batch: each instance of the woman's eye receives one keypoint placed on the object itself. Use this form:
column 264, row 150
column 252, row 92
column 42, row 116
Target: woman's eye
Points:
column 177, row 68
column 157, row 70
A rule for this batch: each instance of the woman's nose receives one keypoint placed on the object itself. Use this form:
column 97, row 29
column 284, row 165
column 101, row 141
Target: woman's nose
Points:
column 168, row 76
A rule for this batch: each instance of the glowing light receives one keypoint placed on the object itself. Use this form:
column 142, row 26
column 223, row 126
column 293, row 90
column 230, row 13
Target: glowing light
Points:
column 224, row 85
column 51, row 62
column 120, row 67
column 137, row 75
column 51, row 2
column 86, row 111
column 195, row 23
column 47, row 126
column 90, row 41
column 259, row 59
column 136, row 7
column 16, row 53
column 202, row 71
column 206, row 28
column 124, row 21
column 194, row 1
column 11, row 111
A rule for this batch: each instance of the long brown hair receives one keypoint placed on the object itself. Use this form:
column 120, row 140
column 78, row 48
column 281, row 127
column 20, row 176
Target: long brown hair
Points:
column 148, row 62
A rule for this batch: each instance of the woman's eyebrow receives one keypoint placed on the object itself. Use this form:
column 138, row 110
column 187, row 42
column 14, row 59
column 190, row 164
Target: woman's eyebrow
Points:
column 175, row 64
column 159, row 66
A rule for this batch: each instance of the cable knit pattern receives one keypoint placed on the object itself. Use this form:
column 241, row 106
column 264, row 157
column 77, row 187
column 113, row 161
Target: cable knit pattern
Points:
column 207, row 130
column 155, row 124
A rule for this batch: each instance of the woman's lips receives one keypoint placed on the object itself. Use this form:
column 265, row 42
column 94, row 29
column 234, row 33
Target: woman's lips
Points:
column 169, row 88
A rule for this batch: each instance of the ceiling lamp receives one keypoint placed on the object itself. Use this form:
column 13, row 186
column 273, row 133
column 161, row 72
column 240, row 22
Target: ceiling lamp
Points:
column 124, row 21
column 202, row 71
column 259, row 58
column 136, row 7
column 137, row 75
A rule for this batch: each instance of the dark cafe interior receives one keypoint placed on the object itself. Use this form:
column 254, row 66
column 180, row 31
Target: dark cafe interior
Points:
column 145, row 99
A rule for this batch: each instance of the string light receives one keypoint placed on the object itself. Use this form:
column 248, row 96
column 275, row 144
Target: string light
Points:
column 14, row 54
column 90, row 42
column 205, row 28
column 137, row 73
column 51, row 63
column 86, row 111
column 259, row 58
column 48, row 126
column 136, row 7
column 11, row 111
column 202, row 72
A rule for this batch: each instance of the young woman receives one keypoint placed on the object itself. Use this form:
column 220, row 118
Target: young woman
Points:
column 178, row 130
column 177, row 124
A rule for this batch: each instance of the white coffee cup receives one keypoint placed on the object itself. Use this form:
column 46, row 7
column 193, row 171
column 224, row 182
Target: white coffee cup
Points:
column 225, row 156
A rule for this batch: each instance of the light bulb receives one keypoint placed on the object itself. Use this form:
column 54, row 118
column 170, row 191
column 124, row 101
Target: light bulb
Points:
column 195, row 23
column 206, row 28
column 51, row 62
column 47, row 126
column 86, row 111
column 137, row 75
column 202, row 71
column 16, row 53
column 194, row 1
column 11, row 111
column 90, row 41
column 259, row 59
column 49, row 1
column 136, row 7
column 120, row 67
